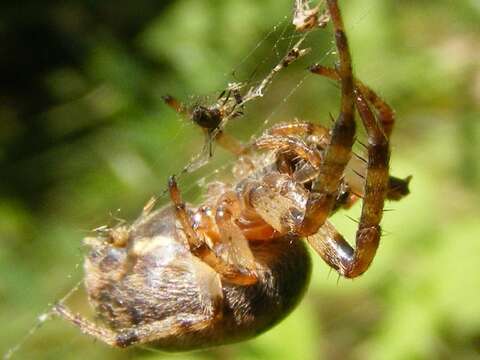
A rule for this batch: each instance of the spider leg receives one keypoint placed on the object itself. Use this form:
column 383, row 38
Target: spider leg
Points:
column 376, row 177
column 176, row 325
column 334, row 249
column 233, row 244
column 300, row 129
column 313, row 132
column 228, row 271
column 86, row 326
column 331, row 246
column 267, row 141
column 338, row 151
column 289, row 144
column 279, row 200
column 386, row 115
column 398, row 188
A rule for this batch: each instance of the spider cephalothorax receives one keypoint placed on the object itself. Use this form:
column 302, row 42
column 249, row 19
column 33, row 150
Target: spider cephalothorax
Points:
column 185, row 277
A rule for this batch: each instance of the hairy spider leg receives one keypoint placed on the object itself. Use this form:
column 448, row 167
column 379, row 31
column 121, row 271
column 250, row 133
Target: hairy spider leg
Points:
column 376, row 177
column 330, row 245
column 198, row 247
column 281, row 137
column 398, row 188
column 140, row 334
column 386, row 115
column 338, row 152
column 292, row 144
column 233, row 243
column 279, row 200
column 86, row 326
column 302, row 129
column 231, row 144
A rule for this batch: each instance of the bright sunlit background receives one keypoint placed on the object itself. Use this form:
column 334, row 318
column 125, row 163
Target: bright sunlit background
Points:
column 85, row 138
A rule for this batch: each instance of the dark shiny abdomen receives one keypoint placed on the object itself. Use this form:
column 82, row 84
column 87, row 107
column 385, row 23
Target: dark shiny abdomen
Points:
column 257, row 308
column 251, row 310
column 156, row 277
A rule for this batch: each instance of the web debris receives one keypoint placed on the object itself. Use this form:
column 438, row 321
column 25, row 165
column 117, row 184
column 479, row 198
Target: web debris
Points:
column 213, row 119
column 306, row 18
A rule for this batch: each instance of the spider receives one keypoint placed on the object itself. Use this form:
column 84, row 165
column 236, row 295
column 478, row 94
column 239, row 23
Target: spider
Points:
column 184, row 277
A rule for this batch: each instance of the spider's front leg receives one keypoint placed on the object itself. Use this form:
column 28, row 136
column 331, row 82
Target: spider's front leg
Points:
column 229, row 270
column 338, row 151
column 398, row 188
column 350, row 262
column 176, row 325
column 386, row 115
column 330, row 245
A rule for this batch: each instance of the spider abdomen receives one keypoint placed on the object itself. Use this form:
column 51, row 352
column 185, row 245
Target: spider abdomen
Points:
column 155, row 277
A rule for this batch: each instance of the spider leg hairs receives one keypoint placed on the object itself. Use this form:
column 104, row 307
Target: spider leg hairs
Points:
column 185, row 277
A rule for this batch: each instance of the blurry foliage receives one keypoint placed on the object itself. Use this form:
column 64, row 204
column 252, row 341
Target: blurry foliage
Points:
column 83, row 131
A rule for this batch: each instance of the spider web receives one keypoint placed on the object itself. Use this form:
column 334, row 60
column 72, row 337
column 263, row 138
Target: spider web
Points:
column 261, row 80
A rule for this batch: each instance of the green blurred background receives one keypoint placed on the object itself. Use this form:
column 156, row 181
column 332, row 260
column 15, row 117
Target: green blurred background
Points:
column 85, row 139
